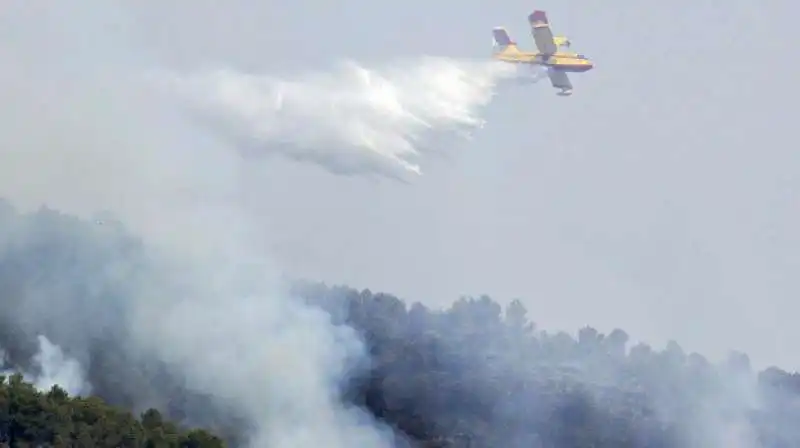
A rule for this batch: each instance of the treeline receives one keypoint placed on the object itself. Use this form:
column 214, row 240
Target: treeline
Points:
column 73, row 281
column 481, row 375
column 478, row 374
column 30, row 418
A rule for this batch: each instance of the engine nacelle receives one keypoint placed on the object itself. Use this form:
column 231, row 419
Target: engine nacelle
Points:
column 562, row 41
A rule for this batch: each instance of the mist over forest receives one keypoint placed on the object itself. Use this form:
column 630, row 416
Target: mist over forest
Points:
column 476, row 374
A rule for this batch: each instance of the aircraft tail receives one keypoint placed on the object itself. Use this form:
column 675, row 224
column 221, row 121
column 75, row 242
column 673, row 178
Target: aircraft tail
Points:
column 502, row 40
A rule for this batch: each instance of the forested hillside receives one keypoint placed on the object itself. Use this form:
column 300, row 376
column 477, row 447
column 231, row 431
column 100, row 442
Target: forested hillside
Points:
column 33, row 418
column 477, row 374
column 480, row 374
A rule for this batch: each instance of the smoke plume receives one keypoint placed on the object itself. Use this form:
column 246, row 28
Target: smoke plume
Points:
column 49, row 367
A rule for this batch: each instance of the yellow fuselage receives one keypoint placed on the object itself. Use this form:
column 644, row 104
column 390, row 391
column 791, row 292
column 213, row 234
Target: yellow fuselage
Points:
column 568, row 62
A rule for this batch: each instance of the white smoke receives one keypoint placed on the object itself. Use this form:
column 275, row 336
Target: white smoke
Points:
column 51, row 367
column 55, row 368
column 353, row 120
column 278, row 362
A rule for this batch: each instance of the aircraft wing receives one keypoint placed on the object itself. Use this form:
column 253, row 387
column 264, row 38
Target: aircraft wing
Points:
column 559, row 79
column 542, row 34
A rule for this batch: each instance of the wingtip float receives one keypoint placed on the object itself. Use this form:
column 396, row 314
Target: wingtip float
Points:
column 550, row 55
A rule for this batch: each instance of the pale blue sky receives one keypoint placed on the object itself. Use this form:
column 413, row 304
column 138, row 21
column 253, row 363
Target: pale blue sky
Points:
column 660, row 198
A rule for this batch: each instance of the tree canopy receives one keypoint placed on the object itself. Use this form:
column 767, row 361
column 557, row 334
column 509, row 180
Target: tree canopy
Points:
column 477, row 374
column 30, row 418
column 481, row 375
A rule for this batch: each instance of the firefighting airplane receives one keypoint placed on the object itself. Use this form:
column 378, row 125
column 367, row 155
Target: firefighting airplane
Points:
column 557, row 63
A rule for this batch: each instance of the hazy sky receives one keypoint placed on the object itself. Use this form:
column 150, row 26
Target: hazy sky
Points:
column 659, row 198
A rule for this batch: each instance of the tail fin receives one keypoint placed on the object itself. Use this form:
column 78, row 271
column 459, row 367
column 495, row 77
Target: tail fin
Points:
column 502, row 39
